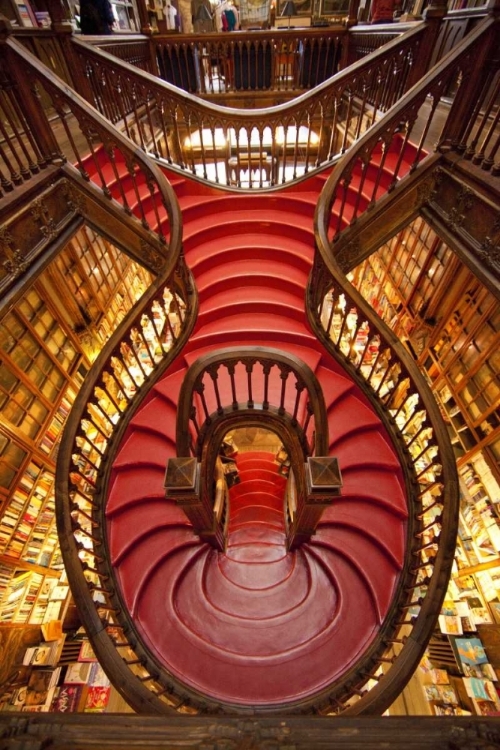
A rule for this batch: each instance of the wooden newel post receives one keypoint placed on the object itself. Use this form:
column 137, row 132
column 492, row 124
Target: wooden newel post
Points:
column 323, row 485
column 183, row 486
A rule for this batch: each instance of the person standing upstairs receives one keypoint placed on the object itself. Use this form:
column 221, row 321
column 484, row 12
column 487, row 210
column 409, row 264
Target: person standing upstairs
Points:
column 96, row 17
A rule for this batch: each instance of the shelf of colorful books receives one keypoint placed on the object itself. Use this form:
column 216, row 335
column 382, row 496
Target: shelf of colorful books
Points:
column 27, row 528
column 458, row 677
column 479, row 509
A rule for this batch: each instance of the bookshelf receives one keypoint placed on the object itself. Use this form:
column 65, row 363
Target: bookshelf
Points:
column 451, row 325
column 48, row 342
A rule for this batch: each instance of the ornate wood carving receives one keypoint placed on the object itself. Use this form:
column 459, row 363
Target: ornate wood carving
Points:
column 29, row 231
column 465, row 205
column 115, row 731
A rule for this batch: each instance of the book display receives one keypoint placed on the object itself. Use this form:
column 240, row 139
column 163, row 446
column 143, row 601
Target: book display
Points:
column 47, row 348
column 54, row 683
column 450, row 324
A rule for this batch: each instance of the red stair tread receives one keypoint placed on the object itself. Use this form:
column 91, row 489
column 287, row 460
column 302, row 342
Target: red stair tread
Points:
column 381, row 485
column 385, row 525
column 365, row 447
column 238, row 271
column 157, row 415
column 259, row 246
column 147, row 518
column 145, row 448
column 129, row 485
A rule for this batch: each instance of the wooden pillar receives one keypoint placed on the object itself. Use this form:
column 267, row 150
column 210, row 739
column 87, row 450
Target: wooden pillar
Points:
column 323, row 484
column 183, row 486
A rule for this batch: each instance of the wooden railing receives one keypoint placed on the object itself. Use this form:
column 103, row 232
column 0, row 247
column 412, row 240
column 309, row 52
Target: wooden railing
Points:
column 387, row 374
column 256, row 148
column 243, row 385
column 137, row 353
column 95, row 155
column 374, row 357
column 386, row 149
column 275, row 60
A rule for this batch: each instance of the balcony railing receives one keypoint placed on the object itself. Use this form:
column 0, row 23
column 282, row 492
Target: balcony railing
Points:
column 378, row 361
column 245, row 385
column 45, row 125
column 250, row 148
column 398, row 143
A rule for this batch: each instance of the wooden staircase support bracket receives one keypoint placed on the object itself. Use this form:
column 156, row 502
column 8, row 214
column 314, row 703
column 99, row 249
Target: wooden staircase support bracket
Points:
column 122, row 230
column 463, row 210
column 388, row 216
column 34, row 218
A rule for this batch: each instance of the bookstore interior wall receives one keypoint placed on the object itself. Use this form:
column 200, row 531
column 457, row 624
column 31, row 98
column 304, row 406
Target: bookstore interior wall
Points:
column 451, row 324
column 48, row 341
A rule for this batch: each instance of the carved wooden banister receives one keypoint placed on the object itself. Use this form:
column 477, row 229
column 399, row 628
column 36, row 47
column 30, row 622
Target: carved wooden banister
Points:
column 95, row 148
column 243, row 385
column 400, row 139
column 389, row 377
column 385, row 370
column 249, row 148
column 138, row 352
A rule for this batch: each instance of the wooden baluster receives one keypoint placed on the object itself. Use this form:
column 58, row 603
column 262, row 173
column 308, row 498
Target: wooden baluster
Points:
column 436, row 504
column 249, row 365
column 309, row 413
column 132, row 348
column 13, row 136
column 299, row 386
column 284, row 373
column 199, row 388
column 213, row 371
column 266, row 369
column 231, row 368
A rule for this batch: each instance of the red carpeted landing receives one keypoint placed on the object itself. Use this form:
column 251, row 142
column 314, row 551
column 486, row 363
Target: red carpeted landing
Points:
column 257, row 626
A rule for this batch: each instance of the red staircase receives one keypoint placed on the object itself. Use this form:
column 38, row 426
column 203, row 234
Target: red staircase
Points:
column 257, row 626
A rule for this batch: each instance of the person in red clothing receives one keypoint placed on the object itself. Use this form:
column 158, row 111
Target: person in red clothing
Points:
column 382, row 11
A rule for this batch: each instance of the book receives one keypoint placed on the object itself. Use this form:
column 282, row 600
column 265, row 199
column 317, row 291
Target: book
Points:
column 470, row 651
column 97, row 698
column 86, row 652
column 78, row 672
column 41, row 687
column 450, row 624
column 485, row 708
column 68, row 698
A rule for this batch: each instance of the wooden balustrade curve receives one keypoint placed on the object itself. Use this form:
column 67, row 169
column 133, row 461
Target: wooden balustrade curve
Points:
column 374, row 356
column 411, row 117
column 228, row 358
column 297, row 415
column 221, row 144
column 112, row 391
column 30, row 144
column 387, row 374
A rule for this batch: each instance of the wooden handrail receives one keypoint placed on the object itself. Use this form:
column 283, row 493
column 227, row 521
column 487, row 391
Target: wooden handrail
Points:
column 385, row 370
column 200, row 396
column 226, row 145
column 141, row 348
column 239, row 386
column 95, row 147
column 410, row 121
column 391, row 380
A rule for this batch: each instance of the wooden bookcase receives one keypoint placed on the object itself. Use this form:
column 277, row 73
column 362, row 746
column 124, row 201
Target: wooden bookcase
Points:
column 48, row 342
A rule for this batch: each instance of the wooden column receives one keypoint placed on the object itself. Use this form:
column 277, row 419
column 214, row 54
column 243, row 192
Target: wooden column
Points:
column 323, row 484
column 183, row 486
